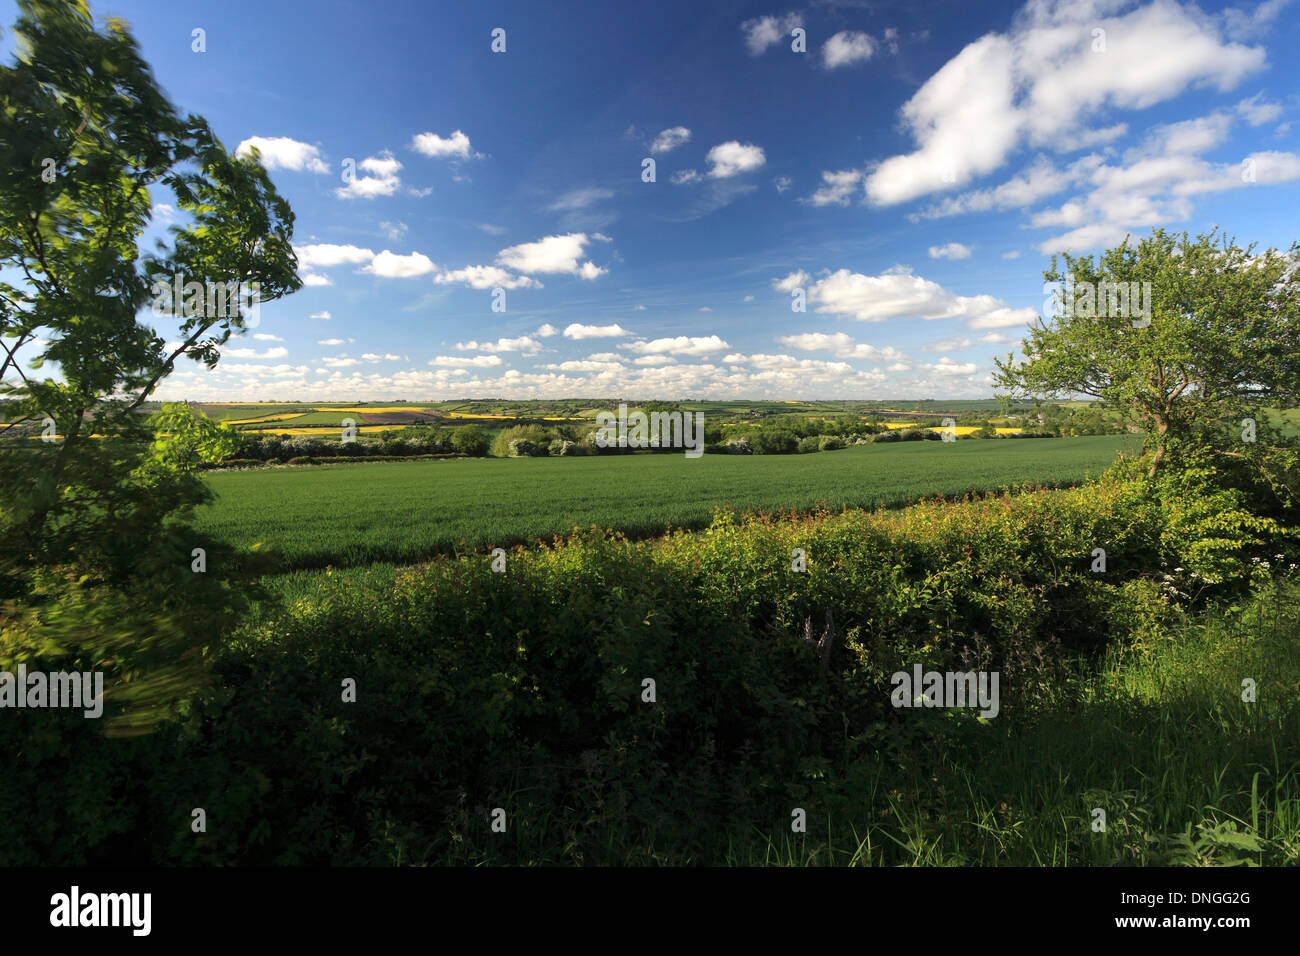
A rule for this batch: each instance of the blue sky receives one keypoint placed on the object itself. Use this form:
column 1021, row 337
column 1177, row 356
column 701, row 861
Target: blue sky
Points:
column 910, row 171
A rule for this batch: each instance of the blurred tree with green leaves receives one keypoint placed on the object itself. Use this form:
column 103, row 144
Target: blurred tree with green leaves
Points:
column 97, row 565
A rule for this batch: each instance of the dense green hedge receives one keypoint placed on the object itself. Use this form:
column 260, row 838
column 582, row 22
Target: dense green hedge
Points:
column 268, row 447
column 524, row 689
column 327, row 460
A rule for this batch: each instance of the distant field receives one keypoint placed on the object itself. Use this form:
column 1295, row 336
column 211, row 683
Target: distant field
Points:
column 957, row 429
column 250, row 411
column 586, row 409
column 1286, row 419
column 345, row 515
column 318, row 419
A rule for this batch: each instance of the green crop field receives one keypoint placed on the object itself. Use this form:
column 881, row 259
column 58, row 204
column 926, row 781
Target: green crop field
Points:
column 346, row 515
column 1288, row 420
column 226, row 413
column 318, row 418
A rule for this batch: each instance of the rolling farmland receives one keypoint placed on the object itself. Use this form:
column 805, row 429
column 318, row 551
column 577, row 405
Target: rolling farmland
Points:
column 309, row 418
column 345, row 515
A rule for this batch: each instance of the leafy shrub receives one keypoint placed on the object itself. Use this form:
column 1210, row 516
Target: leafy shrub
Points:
column 774, row 442
column 352, row 459
column 400, row 446
column 302, row 445
column 523, row 448
column 470, row 440
column 536, row 438
column 1209, row 532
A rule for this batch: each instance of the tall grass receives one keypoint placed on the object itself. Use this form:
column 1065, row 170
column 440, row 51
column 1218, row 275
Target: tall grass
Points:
column 1158, row 737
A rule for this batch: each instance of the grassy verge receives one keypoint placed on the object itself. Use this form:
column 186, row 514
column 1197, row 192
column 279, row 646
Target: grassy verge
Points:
column 1158, row 738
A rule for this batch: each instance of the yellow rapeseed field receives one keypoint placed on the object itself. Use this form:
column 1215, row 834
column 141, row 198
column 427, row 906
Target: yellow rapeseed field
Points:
column 265, row 418
column 359, row 410
column 547, row 418
column 322, row 431
column 959, row 429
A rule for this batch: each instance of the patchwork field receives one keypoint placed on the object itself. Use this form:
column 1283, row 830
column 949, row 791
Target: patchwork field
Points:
column 275, row 417
column 345, row 515
column 957, row 429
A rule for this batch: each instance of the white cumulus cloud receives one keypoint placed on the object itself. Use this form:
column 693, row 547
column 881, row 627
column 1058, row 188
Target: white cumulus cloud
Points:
column 377, row 177
column 841, row 345
column 838, row 189
column 281, row 152
column 576, row 330
column 733, row 158
column 670, row 139
column 523, row 343
column 846, row 47
column 897, row 293
column 953, row 250
column 679, row 345
column 552, row 254
column 763, row 32
column 485, row 277
column 324, row 255
column 456, row 361
column 456, row 145
column 390, row 265
column 1044, row 80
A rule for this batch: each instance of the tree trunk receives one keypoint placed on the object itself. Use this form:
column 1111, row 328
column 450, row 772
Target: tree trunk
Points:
column 1162, row 432
column 38, row 518
column 69, row 440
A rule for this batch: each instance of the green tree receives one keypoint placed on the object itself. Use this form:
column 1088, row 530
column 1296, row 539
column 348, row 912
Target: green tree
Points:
column 1221, row 341
column 95, row 561
column 183, row 441
column 470, row 440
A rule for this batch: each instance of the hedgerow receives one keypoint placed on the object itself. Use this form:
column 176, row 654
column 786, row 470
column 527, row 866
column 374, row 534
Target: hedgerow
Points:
column 526, row 688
